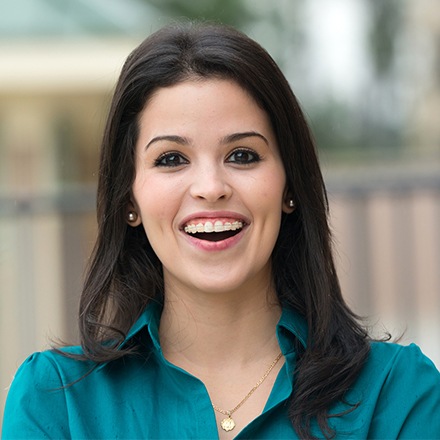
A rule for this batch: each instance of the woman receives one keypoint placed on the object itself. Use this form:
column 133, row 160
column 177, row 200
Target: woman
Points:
column 212, row 308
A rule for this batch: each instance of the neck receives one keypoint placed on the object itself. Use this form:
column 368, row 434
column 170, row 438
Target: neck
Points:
column 197, row 329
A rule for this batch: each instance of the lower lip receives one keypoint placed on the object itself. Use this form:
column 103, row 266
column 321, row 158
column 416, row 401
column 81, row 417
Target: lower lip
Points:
column 215, row 246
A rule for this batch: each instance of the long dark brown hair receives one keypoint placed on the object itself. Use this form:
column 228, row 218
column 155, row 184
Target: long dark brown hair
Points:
column 125, row 274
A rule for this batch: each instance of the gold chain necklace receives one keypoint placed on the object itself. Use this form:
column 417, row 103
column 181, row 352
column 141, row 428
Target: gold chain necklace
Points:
column 228, row 423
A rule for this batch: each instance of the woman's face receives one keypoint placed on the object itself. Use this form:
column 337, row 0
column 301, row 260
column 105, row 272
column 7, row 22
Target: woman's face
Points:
column 209, row 186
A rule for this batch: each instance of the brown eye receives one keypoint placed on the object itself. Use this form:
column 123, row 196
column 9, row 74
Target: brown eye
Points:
column 170, row 160
column 243, row 157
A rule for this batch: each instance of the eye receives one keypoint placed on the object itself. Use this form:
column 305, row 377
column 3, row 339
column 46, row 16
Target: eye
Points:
column 243, row 156
column 171, row 159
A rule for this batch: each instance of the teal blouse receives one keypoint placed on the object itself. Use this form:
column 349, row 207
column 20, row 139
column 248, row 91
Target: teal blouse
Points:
column 146, row 397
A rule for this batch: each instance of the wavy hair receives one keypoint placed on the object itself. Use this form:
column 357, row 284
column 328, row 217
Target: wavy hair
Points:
column 124, row 274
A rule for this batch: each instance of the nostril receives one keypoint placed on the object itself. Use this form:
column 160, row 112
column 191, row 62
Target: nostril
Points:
column 211, row 188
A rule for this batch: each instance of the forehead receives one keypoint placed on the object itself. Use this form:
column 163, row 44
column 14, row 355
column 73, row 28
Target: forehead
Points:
column 214, row 103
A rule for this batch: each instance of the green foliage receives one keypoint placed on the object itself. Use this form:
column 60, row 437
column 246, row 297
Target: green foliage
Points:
column 344, row 133
column 232, row 12
column 385, row 26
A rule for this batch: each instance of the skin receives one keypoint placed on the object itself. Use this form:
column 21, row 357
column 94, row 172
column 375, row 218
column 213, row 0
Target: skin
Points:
column 207, row 152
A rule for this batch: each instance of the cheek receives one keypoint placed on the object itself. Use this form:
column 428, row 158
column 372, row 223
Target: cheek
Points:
column 270, row 189
column 156, row 201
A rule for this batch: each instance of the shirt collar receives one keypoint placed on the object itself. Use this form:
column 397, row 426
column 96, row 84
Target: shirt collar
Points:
column 290, row 326
column 149, row 318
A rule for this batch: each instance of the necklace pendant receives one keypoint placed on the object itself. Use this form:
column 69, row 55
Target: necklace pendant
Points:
column 227, row 424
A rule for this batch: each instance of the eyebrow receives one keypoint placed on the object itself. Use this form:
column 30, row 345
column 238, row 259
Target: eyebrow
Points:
column 171, row 138
column 234, row 137
column 239, row 136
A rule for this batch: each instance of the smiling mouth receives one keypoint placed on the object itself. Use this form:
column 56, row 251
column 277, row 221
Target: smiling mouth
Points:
column 216, row 231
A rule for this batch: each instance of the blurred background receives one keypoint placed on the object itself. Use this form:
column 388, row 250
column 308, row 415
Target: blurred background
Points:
column 367, row 73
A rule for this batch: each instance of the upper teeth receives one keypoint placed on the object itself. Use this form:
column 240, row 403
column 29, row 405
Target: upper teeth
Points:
column 218, row 226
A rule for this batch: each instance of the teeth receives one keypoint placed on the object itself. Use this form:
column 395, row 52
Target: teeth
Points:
column 218, row 226
column 209, row 227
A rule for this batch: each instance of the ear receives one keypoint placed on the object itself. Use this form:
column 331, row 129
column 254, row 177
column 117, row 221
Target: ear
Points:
column 132, row 215
column 288, row 202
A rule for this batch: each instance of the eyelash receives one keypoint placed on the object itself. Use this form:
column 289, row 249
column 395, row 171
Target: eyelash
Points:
column 253, row 156
column 174, row 159
column 160, row 161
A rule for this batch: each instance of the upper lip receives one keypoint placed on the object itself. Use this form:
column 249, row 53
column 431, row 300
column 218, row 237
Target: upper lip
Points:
column 213, row 215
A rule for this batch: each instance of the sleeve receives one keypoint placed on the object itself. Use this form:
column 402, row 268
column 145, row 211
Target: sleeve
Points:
column 36, row 405
column 409, row 402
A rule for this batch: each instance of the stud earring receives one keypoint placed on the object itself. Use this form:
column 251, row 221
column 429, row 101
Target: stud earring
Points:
column 132, row 216
column 291, row 203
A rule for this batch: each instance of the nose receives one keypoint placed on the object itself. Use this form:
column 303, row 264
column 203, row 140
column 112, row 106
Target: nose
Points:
column 210, row 183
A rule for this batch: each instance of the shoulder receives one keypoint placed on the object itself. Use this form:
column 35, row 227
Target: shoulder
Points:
column 36, row 405
column 401, row 387
column 52, row 368
column 391, row 349
column 49, row 371
column 390, row 358
column 55, row 395
column 36, row 402
column 397, row 367
column 390, row 366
